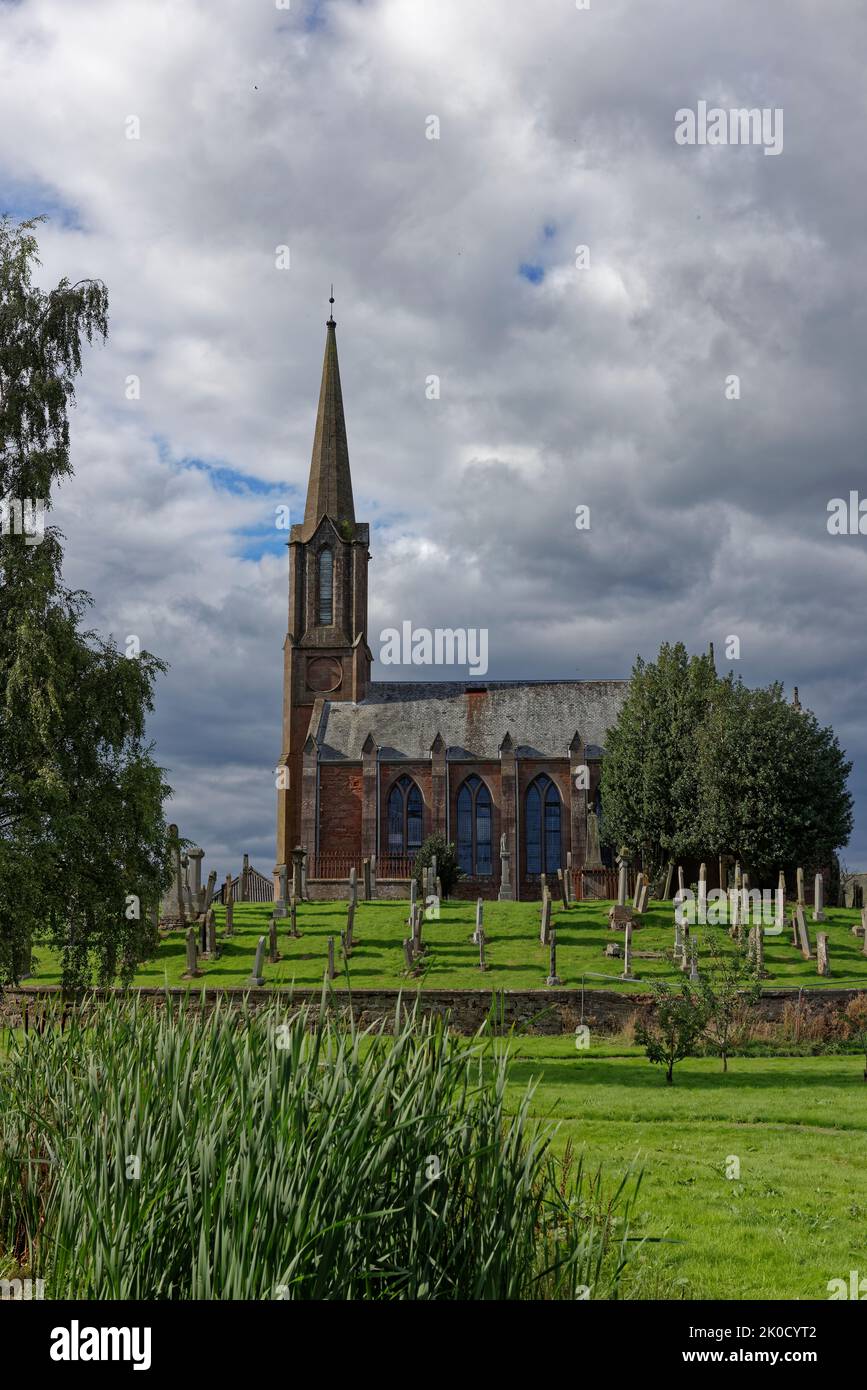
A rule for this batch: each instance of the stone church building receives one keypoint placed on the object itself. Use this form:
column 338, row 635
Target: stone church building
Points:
column 373, row 767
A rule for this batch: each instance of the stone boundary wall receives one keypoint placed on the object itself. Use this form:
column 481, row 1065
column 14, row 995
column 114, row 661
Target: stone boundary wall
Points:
column 326, row 890
column 540, row 1011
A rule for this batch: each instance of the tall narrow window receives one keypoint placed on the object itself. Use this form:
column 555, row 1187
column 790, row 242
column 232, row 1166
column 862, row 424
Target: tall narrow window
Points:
column 474, row 828
column 404, row 812
column 326, row 587
column 542, row 827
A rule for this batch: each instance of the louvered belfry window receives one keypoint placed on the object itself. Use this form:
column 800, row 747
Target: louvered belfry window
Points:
column 326, row 588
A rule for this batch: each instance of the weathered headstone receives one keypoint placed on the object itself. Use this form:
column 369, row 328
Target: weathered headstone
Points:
column 681, row 883
column 669, row 879
column 803, row 934
column 639, row 882
column 781, row 884
column 244, row 882
column 644, row 895
column 305, row 897
column 480, row 917
column 627, row 951
column 506, row 893
column 408, row 956
column 543, row 884
column 293, row 916
column 622, row 881
column 545, row 929
column 594, row 853
column 192, row 969
column 693, row 961
column 819, row 899
column 257, row 979
column 368, row 892
column 564, row 893
column 439, row 889
column 568, row 878
column 618, row 916
column 330, row 967
column 801, row 898
column 418, row 945
column 349, row 936
column 702, row 893
column 482, row 962
column 280, row 906
column 553, row 978
column 229, row 900
column 211, row 928
column 413, row 889
column 195, row 857
column 174, row 914
column 823, row 963
column 353, row 885
column 678, row 943
column 273, row 953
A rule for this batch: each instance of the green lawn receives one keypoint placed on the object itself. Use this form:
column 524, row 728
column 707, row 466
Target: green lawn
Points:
column 514, row 954
column 795, row 1218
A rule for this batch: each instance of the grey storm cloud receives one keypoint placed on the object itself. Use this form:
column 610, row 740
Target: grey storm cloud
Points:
column 262, row 127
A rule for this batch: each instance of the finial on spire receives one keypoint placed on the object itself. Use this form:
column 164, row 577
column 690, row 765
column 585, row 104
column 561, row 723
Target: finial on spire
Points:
column 331, row 302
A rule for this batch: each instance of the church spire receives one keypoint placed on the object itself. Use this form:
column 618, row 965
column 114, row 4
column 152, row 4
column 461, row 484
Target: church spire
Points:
column 329, row 489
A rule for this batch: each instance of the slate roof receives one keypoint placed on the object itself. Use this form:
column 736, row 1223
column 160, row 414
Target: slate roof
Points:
column 404, row 718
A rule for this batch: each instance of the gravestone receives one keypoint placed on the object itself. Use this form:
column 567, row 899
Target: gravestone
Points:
column 368, row 891
column 639, row 882
column 622, row 881
column 353, row 886
column 506, row 893
column 678, row 943
column 480, row 915
column 283, row 879
column 681, row 885
column 568, row 877
column 669, row 878
column 781, row 884
column 439, row 889
column 564, row 894
column 801, row 899
column 644, row 895
column 545, row 928
column 257, row 979
column 195, row 857
column 373, row 878
column 756, row 949
column 543, row 884
column 418, row 945
column 823, row 963
column 693, row 961
column 612, row 948
column 819, row 899
column 192, row 969
column 273, row 953
column 803, row 934
column 209, row 891
column 229, row 900
column 627, row 951
column 305, row 897
column 553, row 978
column 329, row 969
column 618, row 916
column 686, row 950
column 245, row 879
column 408, row 956
column 482, row 962
column 412, row 896
column 297, row 884
column 211, row 928
column 702, row 893
column 293, row 917
column 349, row 934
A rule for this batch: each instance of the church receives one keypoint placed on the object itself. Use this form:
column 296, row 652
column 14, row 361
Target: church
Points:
column 371, row 768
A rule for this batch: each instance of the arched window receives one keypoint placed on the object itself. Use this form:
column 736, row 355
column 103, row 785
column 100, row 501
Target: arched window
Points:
column 405, row 809
column 326, row 587
column 474, row 828
column 542, row 827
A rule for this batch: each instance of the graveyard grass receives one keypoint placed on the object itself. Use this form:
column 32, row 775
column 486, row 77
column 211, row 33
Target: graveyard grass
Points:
column 795, row 1218
column 513, row 952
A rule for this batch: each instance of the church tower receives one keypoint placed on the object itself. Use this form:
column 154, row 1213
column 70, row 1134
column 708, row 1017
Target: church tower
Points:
column 325, row 654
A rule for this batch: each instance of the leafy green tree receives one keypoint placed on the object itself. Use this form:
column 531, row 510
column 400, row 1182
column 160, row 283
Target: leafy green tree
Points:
column 670, row 1032
column 772, row 782
column 728, row 985
column 649, row 775
column 82, row 835
column 437, row 846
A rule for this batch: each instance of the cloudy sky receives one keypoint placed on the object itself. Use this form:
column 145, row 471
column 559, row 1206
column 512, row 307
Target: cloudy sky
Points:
column 306, row 125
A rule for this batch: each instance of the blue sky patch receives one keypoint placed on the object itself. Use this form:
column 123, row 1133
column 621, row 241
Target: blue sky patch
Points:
column 534, row 273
